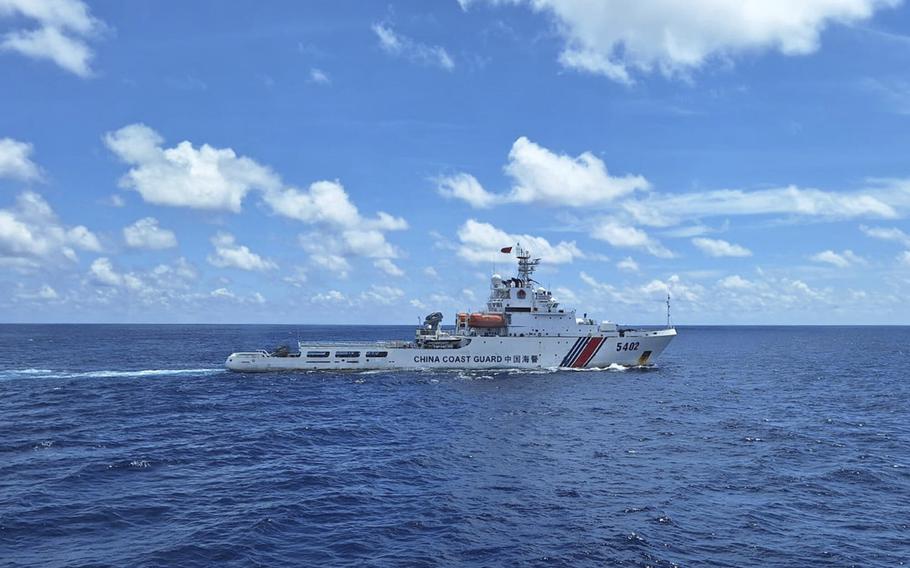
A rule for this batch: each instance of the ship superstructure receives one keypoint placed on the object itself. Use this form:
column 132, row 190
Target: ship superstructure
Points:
column 523, row 326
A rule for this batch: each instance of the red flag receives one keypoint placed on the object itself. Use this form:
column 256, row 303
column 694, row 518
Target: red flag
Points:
column 506, row 249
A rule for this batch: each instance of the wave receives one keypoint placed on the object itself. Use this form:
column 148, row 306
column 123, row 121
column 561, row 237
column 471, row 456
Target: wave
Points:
column 104, row 373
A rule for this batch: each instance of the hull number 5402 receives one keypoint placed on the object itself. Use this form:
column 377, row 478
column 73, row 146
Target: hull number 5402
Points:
column 627, row 346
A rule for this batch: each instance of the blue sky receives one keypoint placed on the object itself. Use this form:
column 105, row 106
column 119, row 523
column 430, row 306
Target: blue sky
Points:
column 351, row 162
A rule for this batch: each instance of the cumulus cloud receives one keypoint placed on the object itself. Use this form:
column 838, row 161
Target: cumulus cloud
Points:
column 229, row 254
column 735, row 282
column 720, row 247
column 15, row 160
column 336, row 264
column 627, row 264
column 540, row 175
column 348, row 233
column 887, row 234
column 330, row 297
column 385, row 295
column 481, row 242
column 298, row 278
column 319, row 77
column 102, row 271
column 840, row 260
column 388, row 267
column 219, row 179
column 467, row 188
column 619, row 38
column 45, row 293
column 31, row 232
column 145, row 233
column 397, row 44
column 184, row 176
column 904, row 258
column 624, row 236
column 64, row 28
column 648, row 293
column 226, row 294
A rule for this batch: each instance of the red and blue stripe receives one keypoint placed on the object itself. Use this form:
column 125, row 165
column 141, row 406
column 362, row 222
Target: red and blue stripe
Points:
column 582, row 352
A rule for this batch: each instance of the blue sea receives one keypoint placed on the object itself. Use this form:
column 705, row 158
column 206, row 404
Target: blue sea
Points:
column 128, row 445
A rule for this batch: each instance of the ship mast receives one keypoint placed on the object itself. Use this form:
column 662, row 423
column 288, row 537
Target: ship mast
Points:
column 526, row 264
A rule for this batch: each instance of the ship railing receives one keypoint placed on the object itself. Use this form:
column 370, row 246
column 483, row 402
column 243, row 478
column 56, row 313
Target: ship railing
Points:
column 399, row 344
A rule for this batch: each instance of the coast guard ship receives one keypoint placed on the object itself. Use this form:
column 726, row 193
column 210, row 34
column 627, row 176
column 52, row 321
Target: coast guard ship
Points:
column 523, row 327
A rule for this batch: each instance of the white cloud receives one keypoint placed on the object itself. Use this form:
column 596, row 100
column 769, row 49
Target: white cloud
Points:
column 623, row 236
column 45, row 293
column 157, row 284
column 397, row 44
column 319, row 77
column 31, row 231
column 671, row 209
column 617, row 38
column 176, row 275
column 64, row 28
column 330, row 297
column 327, row 204
column 228, row 295
column 15, row 161
column 565, row 295
column 627, row 264
column 145, row 233
column 481, row 242
column 887, row 234
column 467, row 188
column 840, row 260
column 388, row 267
column 540, row 175
column 646, row 294
column 102, row 270
column 336, row 264
column 382, row 294
column 184, row 176
column 222, row 293
column 229, row 254
column 735, row 282
column 298, row 278
column 431, row 272
column 904, row 258
column 324, row 201
column 719, row 247
column 219, row 179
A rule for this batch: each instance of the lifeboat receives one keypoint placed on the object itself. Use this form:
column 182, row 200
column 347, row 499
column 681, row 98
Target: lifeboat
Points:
column 486, row 320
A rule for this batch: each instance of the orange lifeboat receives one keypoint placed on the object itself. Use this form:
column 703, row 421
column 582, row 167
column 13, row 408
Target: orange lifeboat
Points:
column 486, row 320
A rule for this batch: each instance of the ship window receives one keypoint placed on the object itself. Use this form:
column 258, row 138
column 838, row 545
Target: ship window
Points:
column 346, row 354
column 377, row 353
column 317, row 353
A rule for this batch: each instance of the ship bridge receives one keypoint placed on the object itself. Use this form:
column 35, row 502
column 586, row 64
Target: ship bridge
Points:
column 520, row 307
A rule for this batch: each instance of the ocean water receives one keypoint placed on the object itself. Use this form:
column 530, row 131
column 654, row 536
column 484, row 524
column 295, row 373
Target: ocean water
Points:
column 771, row 446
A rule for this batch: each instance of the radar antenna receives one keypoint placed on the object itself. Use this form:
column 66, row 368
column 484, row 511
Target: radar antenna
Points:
column 668, row 309
column 526, row 264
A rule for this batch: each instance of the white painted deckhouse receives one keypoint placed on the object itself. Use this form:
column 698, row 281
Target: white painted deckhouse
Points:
column 523, row 327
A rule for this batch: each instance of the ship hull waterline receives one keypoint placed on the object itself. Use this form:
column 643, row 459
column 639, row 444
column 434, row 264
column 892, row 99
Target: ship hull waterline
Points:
column 635, row 348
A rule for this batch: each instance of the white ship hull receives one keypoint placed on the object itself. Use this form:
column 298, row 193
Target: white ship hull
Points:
column 632, row 348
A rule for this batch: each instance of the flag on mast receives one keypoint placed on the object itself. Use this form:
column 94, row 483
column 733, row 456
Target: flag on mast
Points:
column 506, row 249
